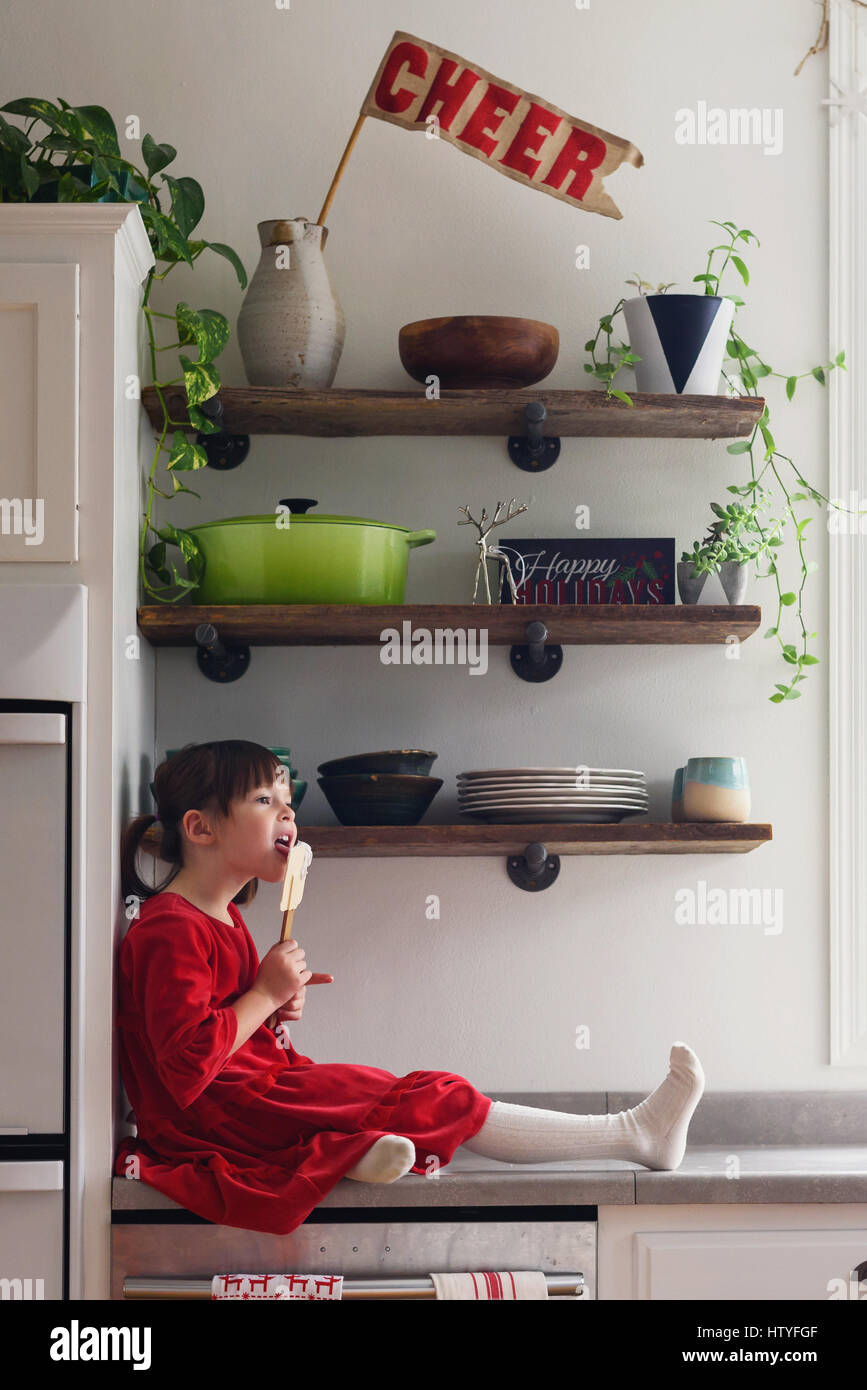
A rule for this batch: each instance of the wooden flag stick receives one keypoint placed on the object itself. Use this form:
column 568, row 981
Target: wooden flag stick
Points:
column 320, row 221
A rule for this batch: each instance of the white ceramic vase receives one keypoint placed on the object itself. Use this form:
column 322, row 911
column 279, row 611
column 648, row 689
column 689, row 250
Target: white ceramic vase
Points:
column 291, row 326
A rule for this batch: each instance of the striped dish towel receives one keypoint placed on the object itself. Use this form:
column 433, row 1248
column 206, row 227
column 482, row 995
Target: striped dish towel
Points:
column 250, row 1286
column 491, row 1284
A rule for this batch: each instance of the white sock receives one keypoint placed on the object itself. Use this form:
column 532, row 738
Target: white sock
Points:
column 385, row 1161
column 652, row 1133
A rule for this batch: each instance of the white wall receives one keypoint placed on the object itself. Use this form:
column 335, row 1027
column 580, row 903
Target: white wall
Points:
column 259, row 102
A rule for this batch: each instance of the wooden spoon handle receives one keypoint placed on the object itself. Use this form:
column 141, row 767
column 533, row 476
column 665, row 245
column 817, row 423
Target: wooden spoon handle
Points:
column 285, row 934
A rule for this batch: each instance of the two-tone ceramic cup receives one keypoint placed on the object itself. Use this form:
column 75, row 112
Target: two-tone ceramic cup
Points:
column 716, row 789
column 677, row 796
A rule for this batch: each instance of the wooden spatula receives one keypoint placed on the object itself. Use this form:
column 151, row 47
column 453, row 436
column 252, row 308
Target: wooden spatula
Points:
column 297, row 864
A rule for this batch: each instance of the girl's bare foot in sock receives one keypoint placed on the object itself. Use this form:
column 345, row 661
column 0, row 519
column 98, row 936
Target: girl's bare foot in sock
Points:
column 660, row 1123
column 388, row 1159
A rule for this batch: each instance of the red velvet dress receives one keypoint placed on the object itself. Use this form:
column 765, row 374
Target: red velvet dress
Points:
column 258, row 1138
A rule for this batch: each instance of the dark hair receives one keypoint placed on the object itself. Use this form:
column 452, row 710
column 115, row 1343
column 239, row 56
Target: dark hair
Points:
column 202, row 777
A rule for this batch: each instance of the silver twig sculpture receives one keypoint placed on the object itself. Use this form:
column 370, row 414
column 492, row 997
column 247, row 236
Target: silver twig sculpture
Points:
column 492, row 551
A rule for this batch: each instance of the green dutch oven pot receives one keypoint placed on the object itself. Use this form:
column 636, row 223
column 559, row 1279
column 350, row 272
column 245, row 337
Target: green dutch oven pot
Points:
column 278, row 558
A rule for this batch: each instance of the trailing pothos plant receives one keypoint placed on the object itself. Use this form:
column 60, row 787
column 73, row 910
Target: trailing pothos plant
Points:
column 76, row 158
column 775, row 480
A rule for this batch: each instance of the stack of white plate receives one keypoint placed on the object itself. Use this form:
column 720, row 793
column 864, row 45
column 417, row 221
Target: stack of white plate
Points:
column 584, row 795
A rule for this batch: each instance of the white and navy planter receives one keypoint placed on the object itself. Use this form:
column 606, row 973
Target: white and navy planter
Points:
column 681, row 340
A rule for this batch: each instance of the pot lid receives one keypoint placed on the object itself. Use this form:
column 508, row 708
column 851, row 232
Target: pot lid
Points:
column 298, row 519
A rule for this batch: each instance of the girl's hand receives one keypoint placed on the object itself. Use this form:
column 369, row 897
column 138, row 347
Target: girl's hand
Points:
column 291, row 1011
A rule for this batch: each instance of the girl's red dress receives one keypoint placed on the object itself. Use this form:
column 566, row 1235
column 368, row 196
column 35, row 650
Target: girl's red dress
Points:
column 256, row 1138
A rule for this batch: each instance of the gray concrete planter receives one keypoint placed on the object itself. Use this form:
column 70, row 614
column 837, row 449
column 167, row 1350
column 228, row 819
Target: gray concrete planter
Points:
column 689, row 585
column 733, row 576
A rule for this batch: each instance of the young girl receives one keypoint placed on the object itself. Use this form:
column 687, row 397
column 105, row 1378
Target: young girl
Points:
column 232, row 1122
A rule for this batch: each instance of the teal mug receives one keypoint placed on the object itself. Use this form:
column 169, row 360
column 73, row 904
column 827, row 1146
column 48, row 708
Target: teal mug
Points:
column 716, row 789
column 677, row 796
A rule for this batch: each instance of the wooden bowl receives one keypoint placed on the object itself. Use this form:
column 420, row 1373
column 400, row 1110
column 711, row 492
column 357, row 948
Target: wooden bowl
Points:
column 479, row 352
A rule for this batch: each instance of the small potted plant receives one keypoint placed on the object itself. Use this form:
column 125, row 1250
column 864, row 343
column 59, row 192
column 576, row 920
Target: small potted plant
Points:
column 732, row 541
column 680, row 339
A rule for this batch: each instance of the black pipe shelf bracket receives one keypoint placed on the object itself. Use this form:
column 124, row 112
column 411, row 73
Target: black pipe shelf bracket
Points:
column 535, row 869
column 536, row 661
column 534, row 452
column 224, row 450
column 217, row 661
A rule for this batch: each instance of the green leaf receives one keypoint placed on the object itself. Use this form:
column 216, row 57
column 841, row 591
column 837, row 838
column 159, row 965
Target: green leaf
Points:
column 35, row 106
column 97, row 125
column 791, row 383
column 771, row 632
column 207, row 328
column 202, row 422
column 621, row 396
column 650, row 570
column 156, row 156
column 233, row 258
column 788, row 599
column 809, row 661
column 741, row 269
column 736, row 300
column 168, row 236
column 819, row 374
column 201, row 380
column 185, row 454
column 741, row 447
column 29, row 176
column 590, row 345
column 708, row 279
column 777, row 699
column 840, row 358
column 811, row 566
column 188, row 202
column 762, row 369
column 588, row 366
column 793, row 694
column 769, row 440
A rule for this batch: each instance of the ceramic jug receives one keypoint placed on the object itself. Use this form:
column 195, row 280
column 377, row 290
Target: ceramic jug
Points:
column 291, row 326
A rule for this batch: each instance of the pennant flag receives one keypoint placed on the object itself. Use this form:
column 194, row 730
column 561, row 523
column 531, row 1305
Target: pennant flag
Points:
column 520, row 135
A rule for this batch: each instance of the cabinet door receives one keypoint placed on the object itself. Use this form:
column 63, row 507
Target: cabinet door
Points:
column 31, row 1229
column 39, row 412
column 722, row 1265
column 32, row 921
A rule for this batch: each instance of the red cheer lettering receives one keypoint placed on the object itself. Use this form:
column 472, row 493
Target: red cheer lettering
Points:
column 403, row 54
column 533, row 131
column 581, row 154
column 450, row 95
column 495, row 105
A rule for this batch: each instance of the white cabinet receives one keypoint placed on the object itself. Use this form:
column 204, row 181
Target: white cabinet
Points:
column 723, row 1265
column 31, row 1230
column 39, row 317
column 33, row 871
column 728, row 1251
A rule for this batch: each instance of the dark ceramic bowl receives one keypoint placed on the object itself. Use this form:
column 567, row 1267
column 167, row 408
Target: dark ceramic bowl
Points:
column 417, row 761
column 375, row 798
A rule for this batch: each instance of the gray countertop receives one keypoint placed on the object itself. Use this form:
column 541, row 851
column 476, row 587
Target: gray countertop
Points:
column 707, row 1174
column 748, row 1146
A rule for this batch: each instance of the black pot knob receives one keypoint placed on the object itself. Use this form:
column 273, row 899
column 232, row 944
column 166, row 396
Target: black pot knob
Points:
column 298, row 504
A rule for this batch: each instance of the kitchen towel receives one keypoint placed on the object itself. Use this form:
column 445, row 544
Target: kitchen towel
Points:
column 492, row 1284
column 250, row 1286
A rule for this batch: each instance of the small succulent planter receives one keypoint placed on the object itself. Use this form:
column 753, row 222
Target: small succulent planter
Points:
column 734, row 575
column 689, row 584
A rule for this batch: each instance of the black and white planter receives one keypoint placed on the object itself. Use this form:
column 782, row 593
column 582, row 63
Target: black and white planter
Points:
column 681, row 341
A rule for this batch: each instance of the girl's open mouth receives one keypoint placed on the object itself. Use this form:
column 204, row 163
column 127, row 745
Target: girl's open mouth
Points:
column 283, row 844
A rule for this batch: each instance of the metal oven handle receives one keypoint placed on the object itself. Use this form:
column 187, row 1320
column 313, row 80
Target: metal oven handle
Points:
column 559, row 1286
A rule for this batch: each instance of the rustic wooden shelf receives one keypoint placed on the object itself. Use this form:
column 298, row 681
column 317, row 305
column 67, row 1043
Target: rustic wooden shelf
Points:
column 341, row 413
column 461, row 841
column 325, row 625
